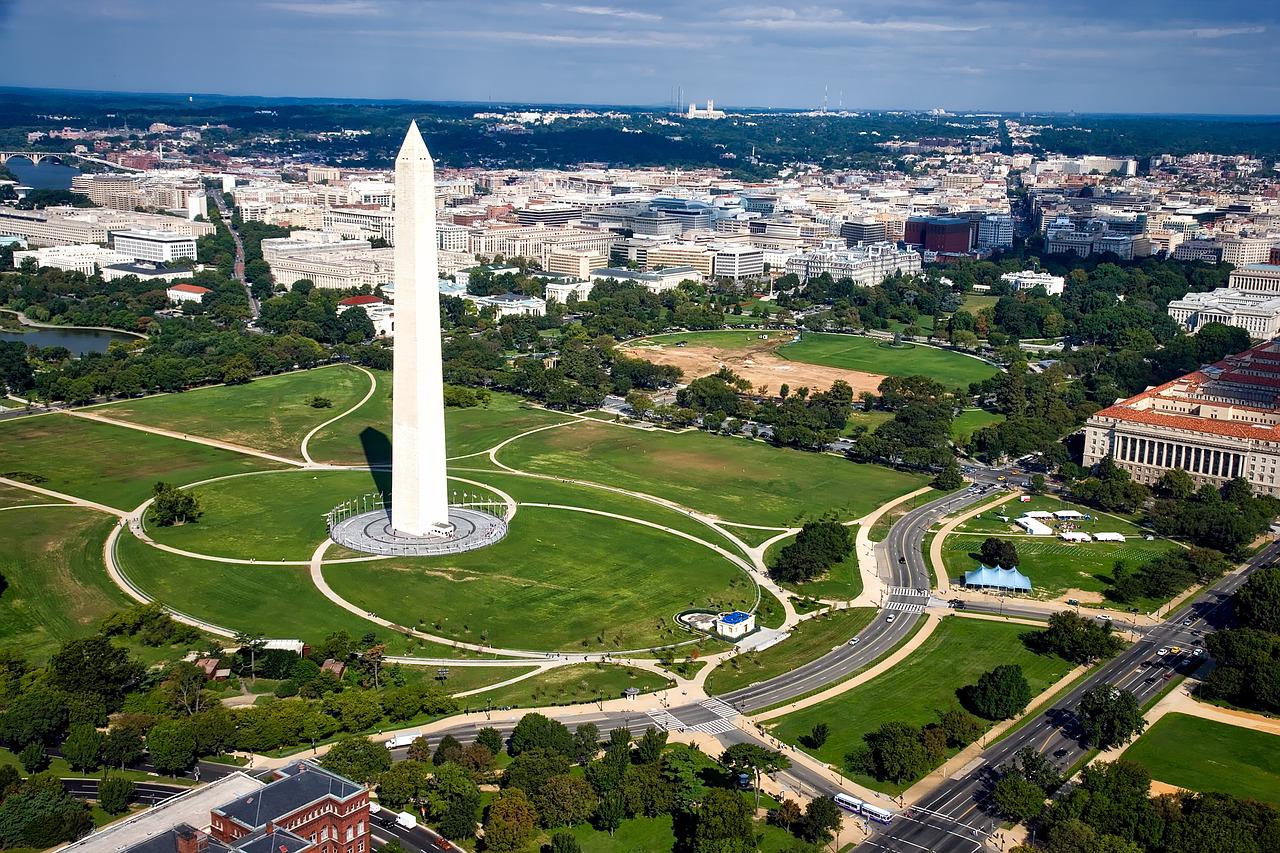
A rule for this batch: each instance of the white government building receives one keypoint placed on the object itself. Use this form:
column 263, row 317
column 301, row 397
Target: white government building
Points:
column 1250, row 301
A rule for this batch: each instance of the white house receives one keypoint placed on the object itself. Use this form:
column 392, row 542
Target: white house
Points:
column 735, row 624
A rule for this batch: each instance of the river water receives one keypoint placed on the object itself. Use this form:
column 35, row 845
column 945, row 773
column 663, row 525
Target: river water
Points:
column 49, row 175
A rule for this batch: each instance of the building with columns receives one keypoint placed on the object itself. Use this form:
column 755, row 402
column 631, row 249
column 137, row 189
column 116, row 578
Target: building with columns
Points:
column 1220, row 422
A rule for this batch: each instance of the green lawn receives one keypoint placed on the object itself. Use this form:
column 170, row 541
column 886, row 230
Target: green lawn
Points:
column 462, row 678
column 970, row 421
column 1205, row 755
column 274, row 601
column 871, row 355
column 272, row 413
column 870, row 420
column 880, row 530
column 842, row 581
column 559, row 580
column 364, row 436
column 734, row 479
column 975, row 302
column 809, row 640
column 915, row 690
column 1055, row 566
column 58, row 586
column 15, row 496
column 567, row 685
column 111, row 465
column 730, row 339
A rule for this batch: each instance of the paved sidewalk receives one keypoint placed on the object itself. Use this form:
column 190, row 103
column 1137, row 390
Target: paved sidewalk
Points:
column 935, row 547
column 873, row 586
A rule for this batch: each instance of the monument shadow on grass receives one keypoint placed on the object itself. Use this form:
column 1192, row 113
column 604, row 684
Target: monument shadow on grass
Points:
column 377, row 452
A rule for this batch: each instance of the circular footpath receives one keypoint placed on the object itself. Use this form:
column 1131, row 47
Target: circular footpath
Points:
column 372, row 533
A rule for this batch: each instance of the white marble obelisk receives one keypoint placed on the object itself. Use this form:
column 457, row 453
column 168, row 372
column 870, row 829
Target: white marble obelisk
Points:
column 419, row 492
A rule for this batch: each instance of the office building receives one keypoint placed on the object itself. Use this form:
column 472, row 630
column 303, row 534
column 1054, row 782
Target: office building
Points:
column 362, row 223
column 739, row 262
column 576, row 264
column 657, row 281
column 995, row 231
column 156, row 247
column 864, row 230
column 1215, row 423
column 84, row 258
column 1250, row 301
column 62, row 226
column 946, row 234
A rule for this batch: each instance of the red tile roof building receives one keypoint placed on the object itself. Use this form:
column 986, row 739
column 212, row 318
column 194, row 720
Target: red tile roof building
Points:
column 1219, row 422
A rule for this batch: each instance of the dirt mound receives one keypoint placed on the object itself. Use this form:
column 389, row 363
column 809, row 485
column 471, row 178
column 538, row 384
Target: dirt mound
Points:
column 758, row 363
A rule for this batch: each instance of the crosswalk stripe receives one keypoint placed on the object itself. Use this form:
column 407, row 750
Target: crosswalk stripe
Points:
column 905, row 606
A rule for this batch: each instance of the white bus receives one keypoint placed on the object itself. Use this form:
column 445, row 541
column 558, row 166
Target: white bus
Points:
column 862, row 807
column 848, row 803
column 877, row 814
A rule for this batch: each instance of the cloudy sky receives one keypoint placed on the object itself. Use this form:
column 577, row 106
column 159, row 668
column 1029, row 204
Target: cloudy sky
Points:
column 1086, row 55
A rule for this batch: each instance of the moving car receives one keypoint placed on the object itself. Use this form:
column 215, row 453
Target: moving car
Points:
column 891, row 617
column 1162, row 651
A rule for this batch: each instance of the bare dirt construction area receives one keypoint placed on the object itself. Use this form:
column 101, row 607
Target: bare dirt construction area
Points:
column 757, row 363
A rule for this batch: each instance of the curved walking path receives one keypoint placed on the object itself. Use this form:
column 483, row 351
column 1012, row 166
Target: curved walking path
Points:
column 790, row 617
column 306, row 439
column 195, row 439
column 935, row 547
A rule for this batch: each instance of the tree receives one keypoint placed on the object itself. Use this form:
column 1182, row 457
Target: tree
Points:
column 33, row 758
column 448, row 750
column 1109, row 716
column 565, row 800
column 755, row 760
column 650, row 746
column 357, row 758
column 530, row 771
column 404, row 783
column 564, row 842
column 171, row 505
column 536, row 731
column 38, row 715
column 896, row 752
column 1037, row 484
column 172, row 745
column 1017, row 798
column 1076, row 639
column 122, row 746
column 610, row 812
column 999, row 552
column 949, row 478
column 1257, row 602
column 114, row 794
column 1175, row 484
column 817, row 737
column 491, row 738
column 586, row 743
column 511, row 821
column 817, row 547
column 1000, row 694
column 452, row 800
column 723, row 823
column 821, row 820
column 42, row 815
column 787, row 815
column 94, row 665
column 82, row 747
column 960, row 727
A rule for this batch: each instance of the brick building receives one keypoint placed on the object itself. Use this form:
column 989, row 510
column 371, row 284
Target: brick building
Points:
column 328, row 812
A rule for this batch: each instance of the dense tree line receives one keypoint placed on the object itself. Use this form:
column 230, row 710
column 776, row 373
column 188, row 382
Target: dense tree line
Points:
column 819, row 546
column 1111, row 811
column 919, row 434
column 1248, row 656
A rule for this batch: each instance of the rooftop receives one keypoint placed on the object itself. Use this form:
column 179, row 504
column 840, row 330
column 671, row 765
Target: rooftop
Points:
column 299, row 783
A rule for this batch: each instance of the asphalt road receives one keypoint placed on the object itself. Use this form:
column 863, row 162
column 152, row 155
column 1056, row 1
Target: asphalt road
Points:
column 958, row 816
column 148, row 793
column 237, row 268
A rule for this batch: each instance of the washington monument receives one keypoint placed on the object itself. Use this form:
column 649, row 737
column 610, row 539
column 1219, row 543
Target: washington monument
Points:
column 419, row 494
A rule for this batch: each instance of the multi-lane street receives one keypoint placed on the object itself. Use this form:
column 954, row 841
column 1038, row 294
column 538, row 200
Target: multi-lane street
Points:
column 957, row 817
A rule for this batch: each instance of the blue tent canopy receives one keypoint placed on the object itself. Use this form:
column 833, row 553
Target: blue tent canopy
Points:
column 985, row 576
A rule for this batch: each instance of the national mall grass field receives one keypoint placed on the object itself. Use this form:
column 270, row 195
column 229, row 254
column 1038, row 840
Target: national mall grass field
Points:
column 584, row 567
column 872, row 355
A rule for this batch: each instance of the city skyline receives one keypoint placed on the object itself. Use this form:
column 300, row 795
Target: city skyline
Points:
column 1080, row 56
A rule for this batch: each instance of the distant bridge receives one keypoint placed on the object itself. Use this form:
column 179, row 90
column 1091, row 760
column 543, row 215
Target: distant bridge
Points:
column 61, row 156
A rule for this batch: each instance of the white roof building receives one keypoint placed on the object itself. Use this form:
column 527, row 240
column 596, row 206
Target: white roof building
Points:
column 1033, row 527
column 1074, row 536
column 1029, row 280
column 1109, row 537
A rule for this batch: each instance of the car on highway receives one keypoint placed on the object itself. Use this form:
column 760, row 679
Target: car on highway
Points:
column 1162, row 651
column 1175, row 650
column 891, row 617
column 1188, row 621
column 853, row 642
